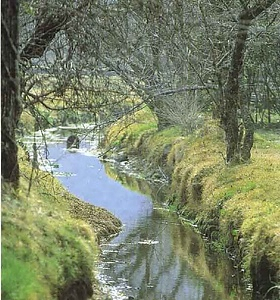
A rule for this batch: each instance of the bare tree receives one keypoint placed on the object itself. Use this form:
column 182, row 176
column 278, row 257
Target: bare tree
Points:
column 260, row 76
column 183, row 110
column 153, row 48
column 59, row 71
column 226, row 31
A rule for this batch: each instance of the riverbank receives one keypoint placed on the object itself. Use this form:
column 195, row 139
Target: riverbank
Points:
column 50, row 239
column 236, row 207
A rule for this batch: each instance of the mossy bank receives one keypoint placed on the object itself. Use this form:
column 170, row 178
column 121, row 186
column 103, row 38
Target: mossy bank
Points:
column 236, row 207
column 50, row 240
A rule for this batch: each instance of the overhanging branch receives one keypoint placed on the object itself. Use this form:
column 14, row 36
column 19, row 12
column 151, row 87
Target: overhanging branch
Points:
column 186, row 89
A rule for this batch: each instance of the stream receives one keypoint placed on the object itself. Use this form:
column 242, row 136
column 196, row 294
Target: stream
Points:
column 156, row 256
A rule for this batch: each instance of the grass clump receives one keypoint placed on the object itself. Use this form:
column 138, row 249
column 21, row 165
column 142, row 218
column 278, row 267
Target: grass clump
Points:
column 44, row 248
column 126, row 132
column 238, row 206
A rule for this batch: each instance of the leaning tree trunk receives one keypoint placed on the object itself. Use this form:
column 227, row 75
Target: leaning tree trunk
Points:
column 231, row 104
column 10, row 100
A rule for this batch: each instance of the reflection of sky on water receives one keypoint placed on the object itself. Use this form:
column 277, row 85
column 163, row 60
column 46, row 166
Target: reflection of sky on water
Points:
column 146, row 258
column 143, row 260
column 94, row 186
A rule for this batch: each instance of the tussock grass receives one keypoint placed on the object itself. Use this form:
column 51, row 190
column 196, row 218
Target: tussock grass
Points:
column 238, row 206
column 43, row 247
column 129, row 130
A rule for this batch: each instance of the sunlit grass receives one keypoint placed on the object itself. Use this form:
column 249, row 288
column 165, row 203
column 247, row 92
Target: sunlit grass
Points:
column 43, row 247
column 19, row 280
column 129, row 129
column 241, row 202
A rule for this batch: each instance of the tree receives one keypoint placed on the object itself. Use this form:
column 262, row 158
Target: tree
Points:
column 226, row 31
column 10, row 99
column 232, row 99
column 157, row 49
column 59, row 73
column 261, row 76
column 146, row 44
column 143, row 43
column 149, row 50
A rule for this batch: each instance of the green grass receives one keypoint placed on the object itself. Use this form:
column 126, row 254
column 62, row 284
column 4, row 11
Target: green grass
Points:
column 19, row 281
column 43, row 247
column 239, row 202
column 267, row 138
column 129, row 130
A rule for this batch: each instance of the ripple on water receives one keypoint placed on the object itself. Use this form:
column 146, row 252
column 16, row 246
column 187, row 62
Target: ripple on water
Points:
column 115, row 289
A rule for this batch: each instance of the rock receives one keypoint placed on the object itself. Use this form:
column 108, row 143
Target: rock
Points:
column 73, row 142
column 121, row 157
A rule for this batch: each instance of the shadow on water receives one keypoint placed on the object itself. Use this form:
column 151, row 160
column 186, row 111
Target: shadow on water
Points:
column 155, row 256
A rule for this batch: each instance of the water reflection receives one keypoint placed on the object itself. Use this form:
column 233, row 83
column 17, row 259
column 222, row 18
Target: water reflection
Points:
column 146, row 258
column 161, row 259
column 155, row 256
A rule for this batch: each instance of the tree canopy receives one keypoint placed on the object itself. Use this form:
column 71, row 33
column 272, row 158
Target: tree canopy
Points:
column 177, row 57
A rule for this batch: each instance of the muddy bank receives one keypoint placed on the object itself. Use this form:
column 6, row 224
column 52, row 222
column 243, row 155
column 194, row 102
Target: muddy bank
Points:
column 104, row 224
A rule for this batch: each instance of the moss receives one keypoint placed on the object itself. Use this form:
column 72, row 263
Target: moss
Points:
column 25, row 285
column 42, row 233
column 237, row 206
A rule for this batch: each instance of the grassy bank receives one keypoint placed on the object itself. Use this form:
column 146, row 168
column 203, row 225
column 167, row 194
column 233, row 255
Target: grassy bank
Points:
column 237, row 207
column 49, row 239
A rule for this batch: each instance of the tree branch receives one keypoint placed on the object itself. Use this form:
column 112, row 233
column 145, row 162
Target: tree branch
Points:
column 185, row 89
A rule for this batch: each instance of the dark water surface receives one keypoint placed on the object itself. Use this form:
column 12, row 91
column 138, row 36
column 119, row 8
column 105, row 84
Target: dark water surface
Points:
column 155, row 256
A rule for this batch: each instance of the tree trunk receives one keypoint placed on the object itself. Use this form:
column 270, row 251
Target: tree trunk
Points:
column 231, row 128
column 10, row 85
column 229, row 116
column 249, row 129
column 10, row 100
column 231, row 94
column 46, row 29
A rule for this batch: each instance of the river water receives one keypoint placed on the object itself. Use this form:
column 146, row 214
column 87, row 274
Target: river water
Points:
column 155, row 256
